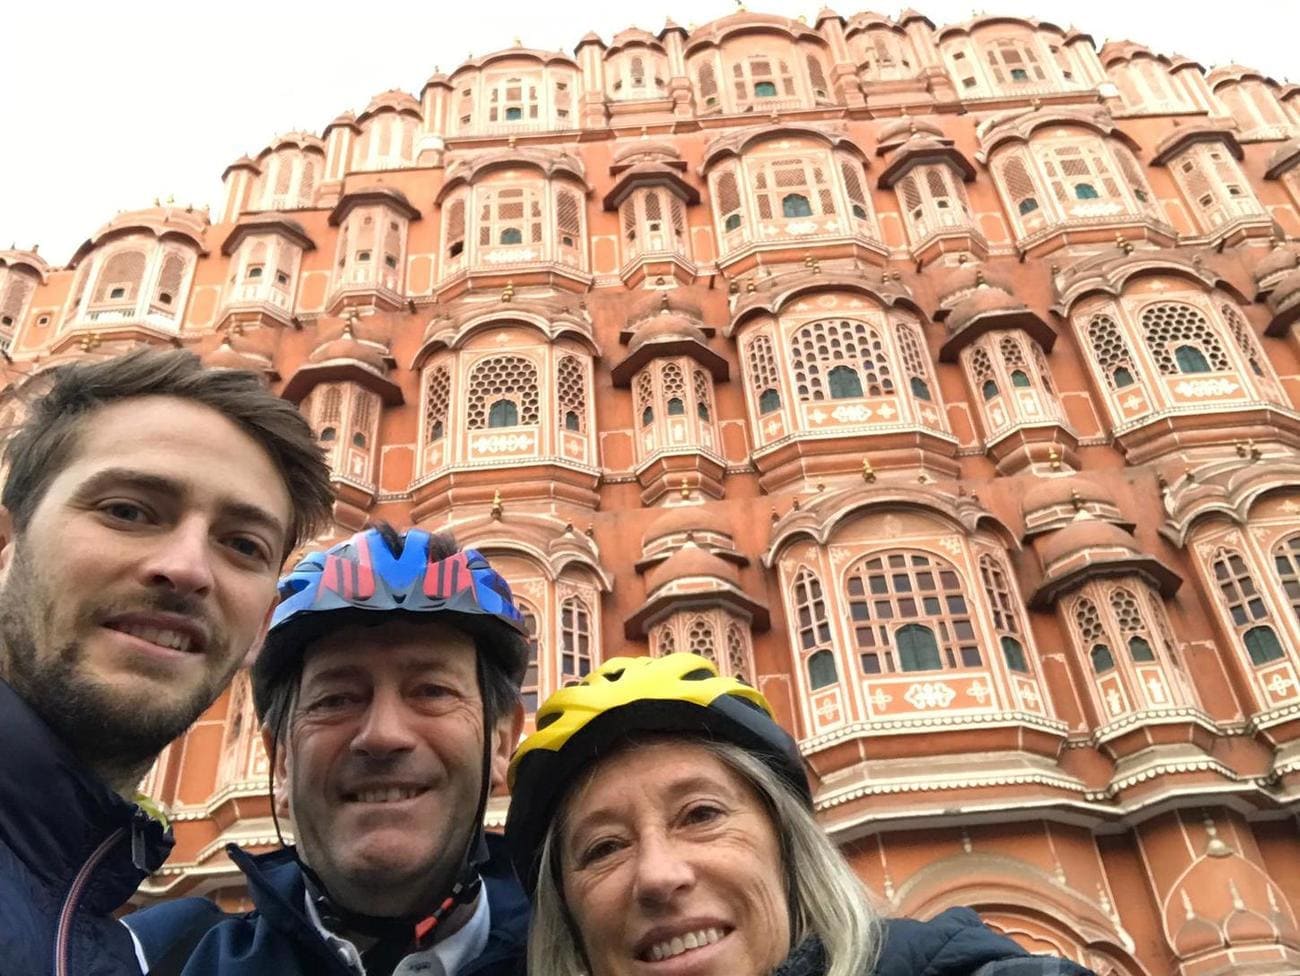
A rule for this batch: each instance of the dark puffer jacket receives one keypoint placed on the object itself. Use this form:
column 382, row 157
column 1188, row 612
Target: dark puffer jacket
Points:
column 277, row 939
column 71, row 853
column 954, row 943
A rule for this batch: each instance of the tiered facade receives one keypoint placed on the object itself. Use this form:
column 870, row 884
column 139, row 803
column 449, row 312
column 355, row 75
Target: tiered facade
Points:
column 942, row 382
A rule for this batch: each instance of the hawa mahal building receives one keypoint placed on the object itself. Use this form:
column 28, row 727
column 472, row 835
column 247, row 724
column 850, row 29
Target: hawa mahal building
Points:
column 941, row 381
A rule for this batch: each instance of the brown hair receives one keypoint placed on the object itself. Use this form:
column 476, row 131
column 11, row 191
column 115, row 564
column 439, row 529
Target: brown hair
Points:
column 46, row 440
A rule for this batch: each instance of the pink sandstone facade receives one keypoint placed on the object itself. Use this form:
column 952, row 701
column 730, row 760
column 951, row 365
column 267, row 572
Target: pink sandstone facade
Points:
column 944, row 382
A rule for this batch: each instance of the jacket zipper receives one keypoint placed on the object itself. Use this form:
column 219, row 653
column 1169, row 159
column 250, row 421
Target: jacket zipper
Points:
column 63, row 938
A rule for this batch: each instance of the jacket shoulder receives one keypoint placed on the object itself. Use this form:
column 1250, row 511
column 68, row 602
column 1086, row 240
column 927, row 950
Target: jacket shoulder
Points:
column 958, row 943
column 159, row 927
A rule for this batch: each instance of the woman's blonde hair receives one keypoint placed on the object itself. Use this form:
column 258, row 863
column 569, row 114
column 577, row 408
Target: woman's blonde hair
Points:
column 828, row 900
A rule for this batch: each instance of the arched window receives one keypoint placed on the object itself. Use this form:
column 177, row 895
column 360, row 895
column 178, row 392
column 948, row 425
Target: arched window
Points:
column 503, row 413
column 529, row 689
column 438, row 397
column 571, row 393
column 737, row 653
column 1245, row 339
column 707, row 79
column 1286, row 561
column 700, row 640
column 917, row 648
column 510, row 379
column 328, row 434
column 575, row 639
column 1102, row 659
column 844, row 382
column 819, row 347
column 1170, row 328
column 511, row 235
column 1191, row 360
column 814, row 629
column 760, row 362
column 1133, row 624
column 795, row 205
column 1014, row 655
column 1262, row 645
column 1110, row 351
column 1093, row 636
column 1006, row 613
column 1020, row 378
column 765, row 89
column 887, row 592
column 821, row 670
column 647, row 416
column 728, row 201
column 702, row 389
column 1085, row 191
column 675, row 407
column 990, row 389
column 1019, row 186
column 454, row 232
column 1246, row 607
column 909, row 344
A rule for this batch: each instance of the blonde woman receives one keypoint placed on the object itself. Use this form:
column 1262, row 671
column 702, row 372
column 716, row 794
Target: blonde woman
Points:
column 663, row 822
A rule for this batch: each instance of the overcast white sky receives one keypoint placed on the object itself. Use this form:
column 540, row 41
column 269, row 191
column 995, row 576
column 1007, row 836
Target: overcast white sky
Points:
column 113, row 104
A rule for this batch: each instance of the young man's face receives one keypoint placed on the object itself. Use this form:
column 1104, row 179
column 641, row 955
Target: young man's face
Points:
column 383, row 761
column 145, row 575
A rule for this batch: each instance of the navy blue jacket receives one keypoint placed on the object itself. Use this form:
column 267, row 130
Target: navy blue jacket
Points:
column 953, row 943
column 71, row 852
column 278, row 939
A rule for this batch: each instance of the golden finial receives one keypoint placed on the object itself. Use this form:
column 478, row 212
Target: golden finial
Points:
column 868, row 472
column 497, row 508
column 663, row 301
column 518, row 42
column 1054, row 458
column 508, row 293
column 1241, row 449
column 1162, row 481
column 794, row 506
column 156, row 202
column 171, row 198
column 684, row 489
column 1123, row 243
column 89, row 343
column 962, row 259
column 1255, row 452
column 775, row 517
column 980, row 280
column 923, row 478
column 1076, row 499
column 590, row 531
column 733, row 287
column 821, row 486
column 750, row 286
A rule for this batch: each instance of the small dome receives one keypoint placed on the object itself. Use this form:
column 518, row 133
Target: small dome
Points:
column 1049, row 493
column 897, row 131
column 955, row 283
column 665, row 302
column 347, row 346
column 691, row 560
column 1282, row 153
column 983, row 300
column 1229, row 71
column 226, row 356
column 1086, row 536
column 664, row 328
column 1286, row 291
column 394, row 99
column 343, row 118
column 686, row 518
column 1283, row 258
column 635, row 35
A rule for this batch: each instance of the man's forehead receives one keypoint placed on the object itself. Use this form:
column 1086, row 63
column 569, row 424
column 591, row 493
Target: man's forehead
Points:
column 391, row 643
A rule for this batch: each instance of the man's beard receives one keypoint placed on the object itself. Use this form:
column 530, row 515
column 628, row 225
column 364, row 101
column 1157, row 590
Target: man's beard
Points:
column 115, row 734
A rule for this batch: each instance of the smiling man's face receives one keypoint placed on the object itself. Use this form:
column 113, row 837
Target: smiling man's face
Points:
column 384, row 761
column 143, row 578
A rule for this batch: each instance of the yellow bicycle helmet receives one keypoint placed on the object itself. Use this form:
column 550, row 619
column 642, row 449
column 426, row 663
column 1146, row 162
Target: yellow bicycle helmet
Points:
column 624, row 698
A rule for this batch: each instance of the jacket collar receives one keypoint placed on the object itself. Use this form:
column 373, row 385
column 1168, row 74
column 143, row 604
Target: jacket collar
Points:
column 55, row 812
column 277, row 887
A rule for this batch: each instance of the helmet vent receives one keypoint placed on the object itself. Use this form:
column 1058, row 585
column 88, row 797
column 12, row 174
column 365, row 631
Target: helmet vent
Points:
column 614, row 675
column 699, row 674
column 550, row 719
column 399, row 597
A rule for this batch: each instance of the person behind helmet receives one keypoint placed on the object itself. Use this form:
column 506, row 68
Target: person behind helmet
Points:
column 388, row 689
column 662, row 820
